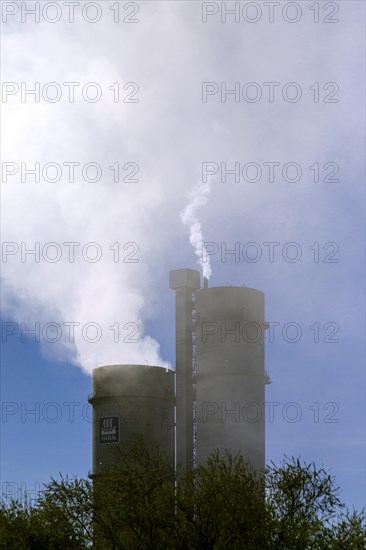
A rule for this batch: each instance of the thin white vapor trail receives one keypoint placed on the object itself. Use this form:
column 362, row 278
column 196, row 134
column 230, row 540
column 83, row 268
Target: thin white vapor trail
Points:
column 189, row 216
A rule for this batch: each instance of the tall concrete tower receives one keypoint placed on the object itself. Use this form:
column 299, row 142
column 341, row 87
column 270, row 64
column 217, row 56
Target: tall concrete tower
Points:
column 231, row 378
column 221, row 405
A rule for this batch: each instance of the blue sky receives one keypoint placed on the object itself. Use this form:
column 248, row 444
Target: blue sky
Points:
column 168, row 134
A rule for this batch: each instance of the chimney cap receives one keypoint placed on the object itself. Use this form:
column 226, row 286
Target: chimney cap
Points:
column 188, row 278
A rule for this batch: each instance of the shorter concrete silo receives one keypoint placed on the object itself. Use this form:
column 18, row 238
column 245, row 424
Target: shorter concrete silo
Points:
column 130, row 400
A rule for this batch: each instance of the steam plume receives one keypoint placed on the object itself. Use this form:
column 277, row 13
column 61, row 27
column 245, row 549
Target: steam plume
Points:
column 189, row 217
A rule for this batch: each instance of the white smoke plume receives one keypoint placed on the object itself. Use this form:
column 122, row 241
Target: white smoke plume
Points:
column 168, row 134
column 189, row 217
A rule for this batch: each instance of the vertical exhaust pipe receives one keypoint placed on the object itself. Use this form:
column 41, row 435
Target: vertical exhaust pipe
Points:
column 185, row 282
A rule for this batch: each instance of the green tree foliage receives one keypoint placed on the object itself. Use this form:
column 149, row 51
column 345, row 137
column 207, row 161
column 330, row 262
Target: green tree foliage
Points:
column 62, row 518
column 134, row 501
column 221, row 506
column 140, row 504
column 302, row 502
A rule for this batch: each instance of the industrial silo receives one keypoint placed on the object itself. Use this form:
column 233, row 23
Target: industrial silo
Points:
column 230, row 376
column 131, row 400
column 220, row 372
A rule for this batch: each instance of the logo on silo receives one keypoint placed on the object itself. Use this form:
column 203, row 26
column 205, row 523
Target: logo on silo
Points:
column 109, row 429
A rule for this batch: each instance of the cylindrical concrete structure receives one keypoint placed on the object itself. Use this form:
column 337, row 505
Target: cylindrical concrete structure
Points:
column 230, row 380
column 130, row 400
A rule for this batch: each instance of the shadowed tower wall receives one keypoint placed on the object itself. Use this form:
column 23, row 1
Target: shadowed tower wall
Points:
column 231, row 378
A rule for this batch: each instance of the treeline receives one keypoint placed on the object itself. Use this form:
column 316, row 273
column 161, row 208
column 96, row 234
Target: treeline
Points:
column 141, row 504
